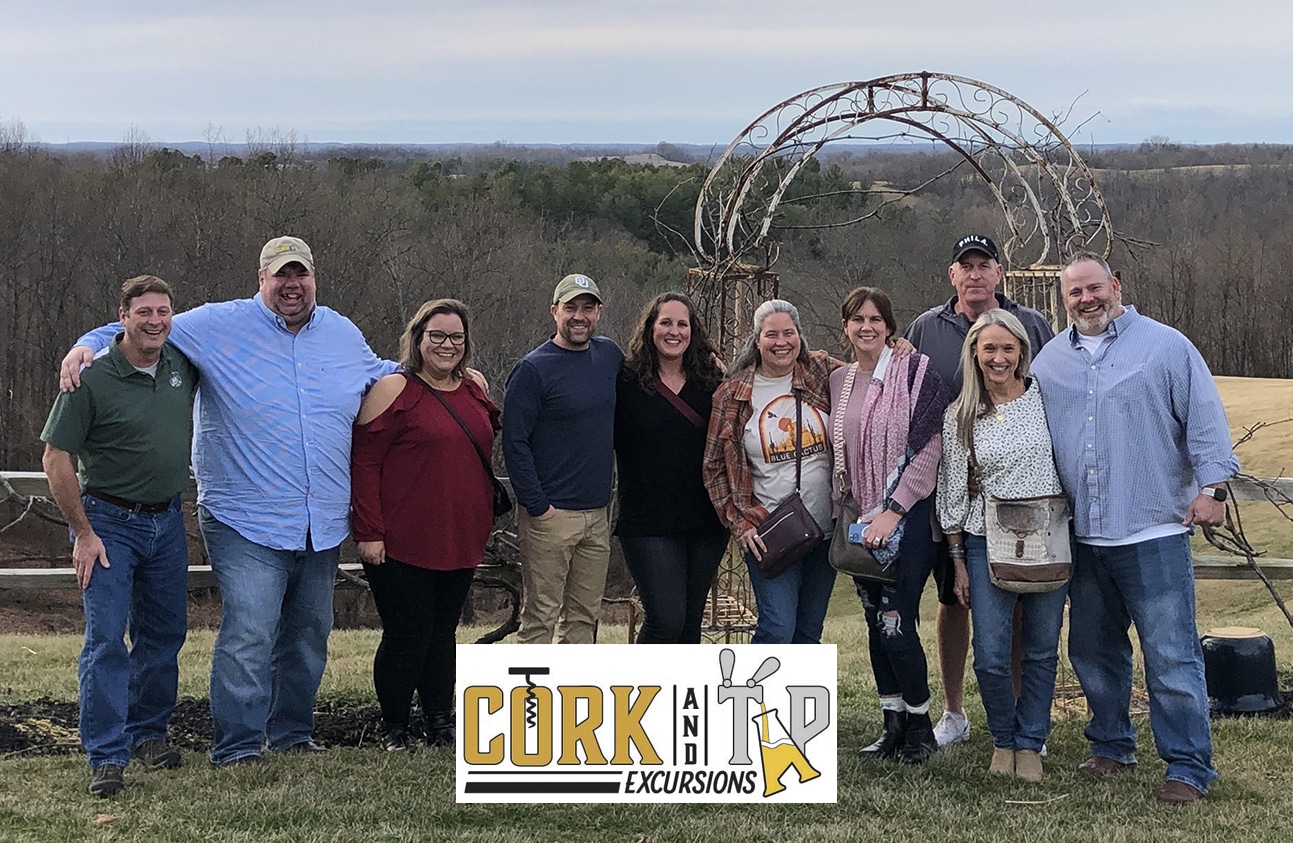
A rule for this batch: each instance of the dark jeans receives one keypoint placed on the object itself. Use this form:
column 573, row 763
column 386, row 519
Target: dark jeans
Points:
column 893, row 614
column 419, row 610
column 673, row 575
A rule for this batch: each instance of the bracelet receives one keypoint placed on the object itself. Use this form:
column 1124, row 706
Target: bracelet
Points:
column 956, row 551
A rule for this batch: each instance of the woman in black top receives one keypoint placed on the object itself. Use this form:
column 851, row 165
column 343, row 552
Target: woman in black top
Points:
column 670, row 534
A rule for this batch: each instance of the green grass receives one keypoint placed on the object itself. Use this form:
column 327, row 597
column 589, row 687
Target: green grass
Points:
column 363, row 794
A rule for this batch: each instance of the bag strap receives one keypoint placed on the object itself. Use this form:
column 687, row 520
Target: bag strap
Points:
column 837, row 428
column 974, row 482
column 489, row 471
column 799, row 437
column 678, row 404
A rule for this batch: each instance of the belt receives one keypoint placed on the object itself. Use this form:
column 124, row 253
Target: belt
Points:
column 134, row 506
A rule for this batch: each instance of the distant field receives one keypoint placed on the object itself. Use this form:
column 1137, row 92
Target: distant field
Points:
column 1269, row 453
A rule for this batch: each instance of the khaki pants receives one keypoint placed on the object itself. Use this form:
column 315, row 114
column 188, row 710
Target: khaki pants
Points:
column 563, row 571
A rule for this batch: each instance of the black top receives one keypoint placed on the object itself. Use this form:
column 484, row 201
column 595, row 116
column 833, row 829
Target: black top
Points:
column 659, row 453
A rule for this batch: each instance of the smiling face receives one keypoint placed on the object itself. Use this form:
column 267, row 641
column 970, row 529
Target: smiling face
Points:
column 997, row 352
column 147, row 323
column 289, row 292
column 671, row 333
column 443, row 343
column 867, row 331
column 778, row 345
column 576, row 321
column 1091, row 297
column 975, row 277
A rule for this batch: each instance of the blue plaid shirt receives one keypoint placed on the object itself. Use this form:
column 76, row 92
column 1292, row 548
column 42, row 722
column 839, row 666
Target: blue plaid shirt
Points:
column 1137, row 427
column 274, row 415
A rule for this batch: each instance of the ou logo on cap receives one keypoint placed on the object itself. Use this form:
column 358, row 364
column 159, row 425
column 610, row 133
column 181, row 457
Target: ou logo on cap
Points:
column 581, row 281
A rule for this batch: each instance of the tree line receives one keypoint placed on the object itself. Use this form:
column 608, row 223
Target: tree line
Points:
column 389, row 232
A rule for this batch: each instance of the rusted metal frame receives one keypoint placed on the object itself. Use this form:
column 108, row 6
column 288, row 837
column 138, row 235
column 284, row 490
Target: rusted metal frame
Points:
column 840, row 89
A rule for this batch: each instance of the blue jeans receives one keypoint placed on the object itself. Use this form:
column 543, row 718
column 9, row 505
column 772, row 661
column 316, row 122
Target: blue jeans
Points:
column 1021, row 722
column 273, row 640
column 792, row 606
column 673, row 575
column 1150, row 584
column 893, row 614
column 127, row 694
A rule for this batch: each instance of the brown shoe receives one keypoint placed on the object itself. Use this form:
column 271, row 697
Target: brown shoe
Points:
column 1028, row 765
column 1178, row 793
column 1098, row 765
column 1003, row 762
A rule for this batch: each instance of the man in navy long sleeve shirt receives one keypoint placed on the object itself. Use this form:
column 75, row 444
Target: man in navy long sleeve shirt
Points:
column 558, row 417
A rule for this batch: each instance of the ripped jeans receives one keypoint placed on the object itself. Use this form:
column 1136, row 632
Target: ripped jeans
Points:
column 893, row 613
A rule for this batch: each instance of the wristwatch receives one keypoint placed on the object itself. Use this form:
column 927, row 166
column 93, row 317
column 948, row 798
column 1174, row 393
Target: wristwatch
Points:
column 1217, row 493
column 894, row 506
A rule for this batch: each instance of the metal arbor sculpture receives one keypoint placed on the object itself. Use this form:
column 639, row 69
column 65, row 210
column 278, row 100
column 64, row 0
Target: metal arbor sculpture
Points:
column 1048, row 198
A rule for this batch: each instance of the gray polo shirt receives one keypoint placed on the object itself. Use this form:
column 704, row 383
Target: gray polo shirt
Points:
column 131, row 431
column 939, row 333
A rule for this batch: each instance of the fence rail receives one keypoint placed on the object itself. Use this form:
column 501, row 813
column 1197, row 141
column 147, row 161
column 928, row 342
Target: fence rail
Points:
column 34, row 484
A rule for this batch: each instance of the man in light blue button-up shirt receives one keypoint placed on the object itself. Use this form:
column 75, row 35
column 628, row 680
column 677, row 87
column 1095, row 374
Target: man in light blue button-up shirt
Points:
column 282, row 378
column 1143, row 451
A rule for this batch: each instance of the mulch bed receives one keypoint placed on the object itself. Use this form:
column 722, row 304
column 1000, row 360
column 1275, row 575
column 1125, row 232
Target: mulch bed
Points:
column 47, row 727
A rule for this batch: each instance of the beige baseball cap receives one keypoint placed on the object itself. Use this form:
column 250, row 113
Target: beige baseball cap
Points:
column 575, row 285
column 281, row 251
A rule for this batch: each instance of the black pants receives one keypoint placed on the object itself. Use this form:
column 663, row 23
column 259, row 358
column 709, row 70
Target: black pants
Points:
column 673, row 574
column 419, row 610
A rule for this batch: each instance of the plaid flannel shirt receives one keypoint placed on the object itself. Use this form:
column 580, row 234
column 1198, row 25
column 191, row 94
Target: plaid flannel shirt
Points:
column 726, row 469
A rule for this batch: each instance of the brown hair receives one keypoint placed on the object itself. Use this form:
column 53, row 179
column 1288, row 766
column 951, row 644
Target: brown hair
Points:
column 859, row 296
column 643, row 362
column 135, row 287
column 411, row 339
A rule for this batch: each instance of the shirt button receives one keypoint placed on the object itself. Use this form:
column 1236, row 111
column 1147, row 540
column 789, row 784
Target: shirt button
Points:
column 1090, row 418
column 1090, row 392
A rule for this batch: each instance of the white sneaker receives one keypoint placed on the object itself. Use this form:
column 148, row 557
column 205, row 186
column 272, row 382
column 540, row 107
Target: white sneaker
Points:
column 952, row 728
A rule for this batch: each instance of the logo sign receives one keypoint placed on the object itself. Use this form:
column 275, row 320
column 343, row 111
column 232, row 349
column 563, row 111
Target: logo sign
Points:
column 646, row 723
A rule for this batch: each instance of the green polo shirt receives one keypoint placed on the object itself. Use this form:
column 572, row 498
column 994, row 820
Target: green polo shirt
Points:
column 130, row 431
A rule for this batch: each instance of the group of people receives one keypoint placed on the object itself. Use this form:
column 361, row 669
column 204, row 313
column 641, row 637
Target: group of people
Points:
column 303, row 435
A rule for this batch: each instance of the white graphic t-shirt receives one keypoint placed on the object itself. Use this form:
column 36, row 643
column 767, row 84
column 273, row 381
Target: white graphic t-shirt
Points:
column 770, row 447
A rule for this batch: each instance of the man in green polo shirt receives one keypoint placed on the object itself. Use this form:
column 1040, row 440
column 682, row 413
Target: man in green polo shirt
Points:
column 129, row 425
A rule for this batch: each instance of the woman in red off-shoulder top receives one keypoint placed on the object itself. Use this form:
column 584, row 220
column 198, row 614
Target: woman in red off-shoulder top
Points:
column 422, row 512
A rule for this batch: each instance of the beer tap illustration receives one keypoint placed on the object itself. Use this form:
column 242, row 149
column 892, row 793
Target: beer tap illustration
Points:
column 777, row 751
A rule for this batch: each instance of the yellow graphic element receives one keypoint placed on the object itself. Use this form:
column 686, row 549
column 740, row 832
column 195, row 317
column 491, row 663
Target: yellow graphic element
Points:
column 779, row 753
column 531, row 745
column 777, row 430
column 576, row 732
column 628, row 724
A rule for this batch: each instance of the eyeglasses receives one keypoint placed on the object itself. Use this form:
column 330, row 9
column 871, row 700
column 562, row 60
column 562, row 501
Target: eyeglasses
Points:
column 440, row 337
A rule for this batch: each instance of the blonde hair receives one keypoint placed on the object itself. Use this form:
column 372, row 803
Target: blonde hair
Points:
column 974, row 402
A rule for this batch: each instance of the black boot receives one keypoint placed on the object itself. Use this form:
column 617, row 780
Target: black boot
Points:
column 918, row 744
column 890, row 741
column 440, row 729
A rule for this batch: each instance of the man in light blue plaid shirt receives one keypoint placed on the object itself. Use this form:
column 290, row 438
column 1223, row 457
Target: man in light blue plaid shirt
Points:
column 1143, row 450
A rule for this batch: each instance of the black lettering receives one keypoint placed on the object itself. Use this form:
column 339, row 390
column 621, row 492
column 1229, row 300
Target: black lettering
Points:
column 691, row 726
column 689, row 701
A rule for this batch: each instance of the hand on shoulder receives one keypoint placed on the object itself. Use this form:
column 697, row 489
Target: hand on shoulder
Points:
column 381, row 396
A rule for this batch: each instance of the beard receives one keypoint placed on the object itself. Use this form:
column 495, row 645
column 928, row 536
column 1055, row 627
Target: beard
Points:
column 1093, row 323
column 567, row 332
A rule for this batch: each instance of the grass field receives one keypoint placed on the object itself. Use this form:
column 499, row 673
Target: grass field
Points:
column 364, row 794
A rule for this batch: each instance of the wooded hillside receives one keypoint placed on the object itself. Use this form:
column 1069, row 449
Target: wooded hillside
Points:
column 389, row 232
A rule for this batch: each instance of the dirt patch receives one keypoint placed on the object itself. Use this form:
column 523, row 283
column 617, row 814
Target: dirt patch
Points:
column 46, row 727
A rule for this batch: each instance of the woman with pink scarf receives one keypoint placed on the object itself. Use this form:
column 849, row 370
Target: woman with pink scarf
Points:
column 892, row 414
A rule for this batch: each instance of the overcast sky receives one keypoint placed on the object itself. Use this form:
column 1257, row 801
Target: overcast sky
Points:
column 601, row 71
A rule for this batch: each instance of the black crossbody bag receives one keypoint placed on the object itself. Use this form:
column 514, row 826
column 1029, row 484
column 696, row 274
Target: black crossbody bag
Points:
column 502, row 500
